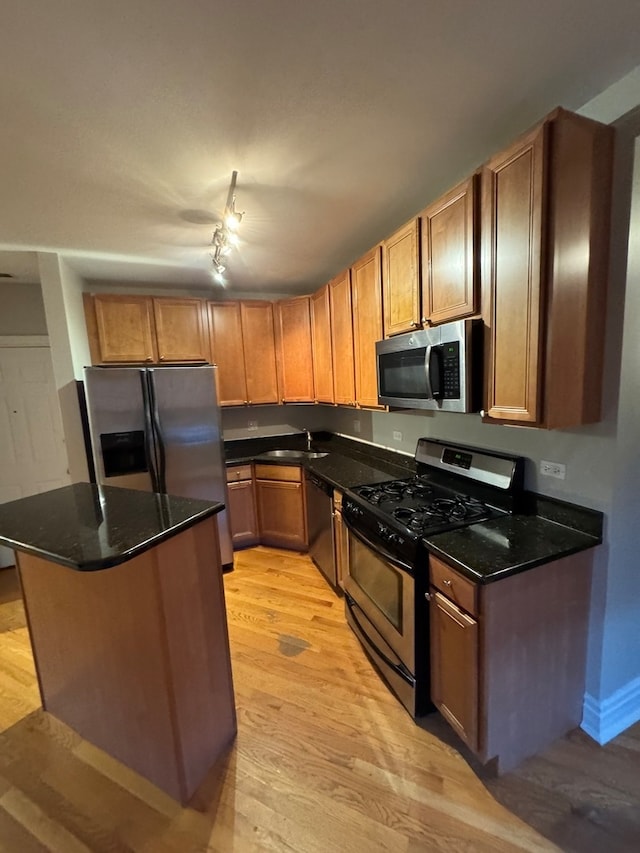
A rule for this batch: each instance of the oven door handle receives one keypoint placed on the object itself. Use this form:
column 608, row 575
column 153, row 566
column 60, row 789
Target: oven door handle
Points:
column 377, row 549
column 398, row 668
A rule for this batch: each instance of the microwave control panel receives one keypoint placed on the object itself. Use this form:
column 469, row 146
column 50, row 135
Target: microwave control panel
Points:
column 451, row 370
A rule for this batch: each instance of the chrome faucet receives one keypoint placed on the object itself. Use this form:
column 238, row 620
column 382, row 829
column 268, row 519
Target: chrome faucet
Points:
column 308, row 434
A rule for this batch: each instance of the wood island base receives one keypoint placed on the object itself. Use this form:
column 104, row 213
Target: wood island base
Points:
column 135, row 658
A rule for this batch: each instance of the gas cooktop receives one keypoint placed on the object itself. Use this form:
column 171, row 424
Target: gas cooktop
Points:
column 418, row 507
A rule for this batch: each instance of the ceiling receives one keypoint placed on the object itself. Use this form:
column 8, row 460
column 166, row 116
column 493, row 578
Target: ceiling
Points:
column 123, row 121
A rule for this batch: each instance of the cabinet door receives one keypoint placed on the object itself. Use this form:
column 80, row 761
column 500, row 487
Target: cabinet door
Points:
column 281, row 514
column 454, row 667
column 242, row 514
column 512, row 210
column 366, row 291
column 228, row 352
column 181, row 329
column 321, row 341
column 449, row 259
column 295, row 355
column 121, row 328
column 401, row 280
column 259, row 352
column 342, row 340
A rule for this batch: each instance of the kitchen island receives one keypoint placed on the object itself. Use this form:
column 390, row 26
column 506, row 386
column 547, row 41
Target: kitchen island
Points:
column 125, row 607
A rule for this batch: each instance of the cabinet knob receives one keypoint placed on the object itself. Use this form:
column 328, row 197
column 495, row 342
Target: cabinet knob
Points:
column 446, row 582
column 282, row 401
column 149, row 358
column 424, row 321
column 414, row 325
column 162, row 358
column 428, row 596
column 483, row 414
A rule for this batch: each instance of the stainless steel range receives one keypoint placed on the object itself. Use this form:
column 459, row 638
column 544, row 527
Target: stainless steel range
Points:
column 389, row 525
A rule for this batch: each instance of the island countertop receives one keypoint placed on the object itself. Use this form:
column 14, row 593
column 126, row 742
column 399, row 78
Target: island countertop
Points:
column 88, row 528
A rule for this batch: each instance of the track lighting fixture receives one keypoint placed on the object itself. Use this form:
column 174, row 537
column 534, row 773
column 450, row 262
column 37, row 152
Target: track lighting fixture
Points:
column 224, row 237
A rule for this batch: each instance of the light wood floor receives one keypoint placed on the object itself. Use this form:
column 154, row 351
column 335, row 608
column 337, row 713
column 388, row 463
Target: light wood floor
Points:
column 325, row 760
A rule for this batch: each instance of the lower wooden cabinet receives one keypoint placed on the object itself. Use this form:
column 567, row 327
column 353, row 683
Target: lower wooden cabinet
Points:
column 454, row 667
column 281, row 509
column 243, row 515
column 508, row 658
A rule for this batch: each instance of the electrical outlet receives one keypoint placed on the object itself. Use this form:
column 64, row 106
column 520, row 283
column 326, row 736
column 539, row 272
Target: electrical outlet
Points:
column 356, row 426
column 252, row 424
column 553, row 469
column 397, row 435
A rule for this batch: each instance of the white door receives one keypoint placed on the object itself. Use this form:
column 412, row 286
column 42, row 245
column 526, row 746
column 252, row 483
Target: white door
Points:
column 33, row 455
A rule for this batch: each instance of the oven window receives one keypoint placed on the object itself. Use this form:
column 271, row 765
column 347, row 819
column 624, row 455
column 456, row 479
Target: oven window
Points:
column 402, row 374
column 379, row 581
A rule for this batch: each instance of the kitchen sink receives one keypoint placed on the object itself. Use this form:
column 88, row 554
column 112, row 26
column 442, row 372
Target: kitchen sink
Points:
column 293, row 454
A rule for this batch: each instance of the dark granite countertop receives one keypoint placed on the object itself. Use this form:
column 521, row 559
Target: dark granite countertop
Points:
column 492, row 550
column 544, row 529
column 86, row 528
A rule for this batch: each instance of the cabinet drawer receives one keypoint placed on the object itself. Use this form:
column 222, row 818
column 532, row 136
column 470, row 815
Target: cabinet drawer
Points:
column 291, row 473
column 238, row 472
column 457, row 588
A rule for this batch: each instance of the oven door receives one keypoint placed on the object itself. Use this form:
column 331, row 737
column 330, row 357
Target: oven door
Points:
column 381, row 602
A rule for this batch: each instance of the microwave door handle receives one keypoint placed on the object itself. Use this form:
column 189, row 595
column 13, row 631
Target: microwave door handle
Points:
column 433, row 379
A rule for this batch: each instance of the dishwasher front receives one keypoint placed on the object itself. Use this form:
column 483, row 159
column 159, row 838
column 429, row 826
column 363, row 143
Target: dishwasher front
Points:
column 319, row 500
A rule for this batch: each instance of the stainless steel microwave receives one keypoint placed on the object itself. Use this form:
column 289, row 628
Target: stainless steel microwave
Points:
column 438, row 368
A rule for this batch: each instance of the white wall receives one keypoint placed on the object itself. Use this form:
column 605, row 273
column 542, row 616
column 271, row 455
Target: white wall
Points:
column 22, row 311
column 62, row 294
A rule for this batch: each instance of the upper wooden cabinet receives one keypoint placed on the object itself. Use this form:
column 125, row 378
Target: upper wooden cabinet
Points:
column 259, row 352
column 294, row 350
column 366, row 293
column 449, row 255
column 128, row 329
column 243, row 346
column 342, row 340
column 321, row 342
column 401, row 280
column 545, row 237
column 121, row 328
column 181, row 329
column 227, row 348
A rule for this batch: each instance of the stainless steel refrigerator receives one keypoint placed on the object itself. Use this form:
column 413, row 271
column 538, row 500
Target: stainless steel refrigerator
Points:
column 159, row 429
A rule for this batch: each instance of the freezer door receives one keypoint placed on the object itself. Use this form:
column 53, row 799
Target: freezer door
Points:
column 119, row 435
column 187, row 419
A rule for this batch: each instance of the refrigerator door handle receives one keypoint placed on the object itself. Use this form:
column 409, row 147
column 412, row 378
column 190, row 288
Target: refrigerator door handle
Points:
column 149, row 443
column 157, row 431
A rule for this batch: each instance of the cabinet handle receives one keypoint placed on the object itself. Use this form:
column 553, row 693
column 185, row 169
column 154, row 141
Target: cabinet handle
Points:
column 446, row 582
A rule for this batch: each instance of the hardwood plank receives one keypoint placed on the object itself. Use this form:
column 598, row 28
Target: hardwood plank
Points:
column 326, row 758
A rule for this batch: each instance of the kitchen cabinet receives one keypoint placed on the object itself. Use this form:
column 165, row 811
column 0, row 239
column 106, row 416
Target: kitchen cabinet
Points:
column 281, row 506
column 121, row 329
column 402, row 280
column 508, row 658
column 243, row 347
column 258, row 336
column 449, row 255
column 227, row 348
column 125, row 329
column 342, row 339
column 321, row 343
column 366, row 293
column 243, row 514
column 181, row 330
column 294, row 350
column 545, row 234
